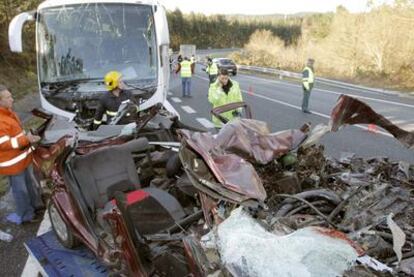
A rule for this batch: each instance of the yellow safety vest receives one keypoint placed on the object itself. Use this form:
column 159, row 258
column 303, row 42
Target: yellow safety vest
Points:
column 185, row 69
column 217, row 97
column 212, row 69
column 311, row 76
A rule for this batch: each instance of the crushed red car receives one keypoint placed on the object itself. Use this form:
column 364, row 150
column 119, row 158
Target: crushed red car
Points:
column 142, row 197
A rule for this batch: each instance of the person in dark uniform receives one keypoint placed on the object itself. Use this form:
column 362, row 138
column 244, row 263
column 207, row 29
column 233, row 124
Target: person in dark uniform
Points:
column 109, row 103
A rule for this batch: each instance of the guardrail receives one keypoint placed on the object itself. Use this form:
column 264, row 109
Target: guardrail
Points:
column 295, row 75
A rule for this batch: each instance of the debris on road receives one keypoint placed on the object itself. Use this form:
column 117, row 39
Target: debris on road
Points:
column 246, row 248
column 5, row 236
column 247, row 202
column 352, row 111
column 369, row 201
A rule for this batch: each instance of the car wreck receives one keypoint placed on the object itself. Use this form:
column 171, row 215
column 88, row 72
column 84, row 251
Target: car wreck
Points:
column 158, row 198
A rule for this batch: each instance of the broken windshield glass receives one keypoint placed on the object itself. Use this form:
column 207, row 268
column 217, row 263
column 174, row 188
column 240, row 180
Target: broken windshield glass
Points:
column 89, row 40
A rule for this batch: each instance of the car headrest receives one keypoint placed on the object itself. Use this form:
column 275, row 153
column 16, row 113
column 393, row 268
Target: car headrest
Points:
column 136, row 145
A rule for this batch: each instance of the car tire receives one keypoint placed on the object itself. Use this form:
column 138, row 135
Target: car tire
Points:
column 62, row 231
column 234, row 73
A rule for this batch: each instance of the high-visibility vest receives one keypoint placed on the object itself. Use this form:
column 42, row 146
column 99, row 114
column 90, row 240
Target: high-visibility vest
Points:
column 15, row 150
column 212, row 69
column 185, row 69
column 311, row 76
column 217, row 97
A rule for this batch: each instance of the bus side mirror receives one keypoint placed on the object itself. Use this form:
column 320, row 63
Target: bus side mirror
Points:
column 16, row 28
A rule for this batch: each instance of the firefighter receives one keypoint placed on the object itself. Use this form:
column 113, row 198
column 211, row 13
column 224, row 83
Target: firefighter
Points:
column 110, row 102
column 16, row 159
column 224, row 91
column 212, row 70
column 307, row 84
column 187, row 70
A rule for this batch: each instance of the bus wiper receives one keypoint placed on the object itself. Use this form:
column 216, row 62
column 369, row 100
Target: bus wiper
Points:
column 56, row 87
column 147, row 89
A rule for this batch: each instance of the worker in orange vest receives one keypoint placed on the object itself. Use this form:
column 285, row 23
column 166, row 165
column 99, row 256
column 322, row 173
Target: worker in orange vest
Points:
column 15, row 160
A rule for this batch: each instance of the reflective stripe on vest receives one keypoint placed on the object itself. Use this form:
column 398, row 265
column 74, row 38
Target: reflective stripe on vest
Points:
column 311, row 77
column 185, row 69
column 111, row 113
column 4, row 139
column 13, row 140
column 17, row 159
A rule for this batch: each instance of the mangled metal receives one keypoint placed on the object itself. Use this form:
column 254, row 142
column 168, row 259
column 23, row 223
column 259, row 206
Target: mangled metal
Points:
column 352, row 111
column 272, row 203
column 351, row 194
column 228, row 153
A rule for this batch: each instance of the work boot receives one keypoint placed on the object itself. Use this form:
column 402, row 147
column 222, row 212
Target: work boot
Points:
column 14, row 218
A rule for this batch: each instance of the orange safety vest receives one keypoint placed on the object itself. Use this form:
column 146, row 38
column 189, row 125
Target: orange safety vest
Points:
column 15, row 149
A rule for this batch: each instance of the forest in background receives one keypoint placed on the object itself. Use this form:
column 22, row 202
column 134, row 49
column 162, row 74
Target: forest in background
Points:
column 375, row 48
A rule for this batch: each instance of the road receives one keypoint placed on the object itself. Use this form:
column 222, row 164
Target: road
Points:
column 278, row 103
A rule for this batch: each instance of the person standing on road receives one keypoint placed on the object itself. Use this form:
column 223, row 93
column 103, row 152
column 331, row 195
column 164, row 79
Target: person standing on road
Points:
column 308, row 79
column 224, row 91
column 16, row 159
column 187, row 70
column 211, row 70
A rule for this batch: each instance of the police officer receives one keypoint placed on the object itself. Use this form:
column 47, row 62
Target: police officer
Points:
column 224, row 91
column 308, row 79
column 211, row 70
column 187, row 70
column 110, row 102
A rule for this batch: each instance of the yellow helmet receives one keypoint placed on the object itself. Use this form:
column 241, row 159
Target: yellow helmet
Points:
column 112, row 79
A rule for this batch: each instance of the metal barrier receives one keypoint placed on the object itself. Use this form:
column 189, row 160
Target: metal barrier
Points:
column 295, row 75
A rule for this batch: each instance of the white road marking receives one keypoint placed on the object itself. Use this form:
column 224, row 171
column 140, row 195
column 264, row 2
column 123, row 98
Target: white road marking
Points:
column 260, row 79
column 313, row 112
column 205, row 122
column 340, row 93
column 176, row 99
column 31, row 268
column 188, row 109
column 170, row 93
column 300, row 108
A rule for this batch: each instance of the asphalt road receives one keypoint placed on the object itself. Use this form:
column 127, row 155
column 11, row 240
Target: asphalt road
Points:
column 278, row 103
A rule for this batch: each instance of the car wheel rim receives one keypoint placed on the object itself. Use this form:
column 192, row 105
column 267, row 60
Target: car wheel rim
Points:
column 58, row 224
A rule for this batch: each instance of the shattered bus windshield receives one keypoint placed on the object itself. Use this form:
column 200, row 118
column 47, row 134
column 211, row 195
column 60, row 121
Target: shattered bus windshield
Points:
column 86, row 41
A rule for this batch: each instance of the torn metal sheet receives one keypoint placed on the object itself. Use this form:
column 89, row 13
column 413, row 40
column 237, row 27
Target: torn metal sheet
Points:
column 398, row 237
column 407, row 266
column 373, row 206
column 373, row 263
column 228, row 153
column 251, row 139
column 352, row 111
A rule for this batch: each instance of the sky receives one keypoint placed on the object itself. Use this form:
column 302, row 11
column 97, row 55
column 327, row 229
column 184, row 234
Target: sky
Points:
column 264, row 6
